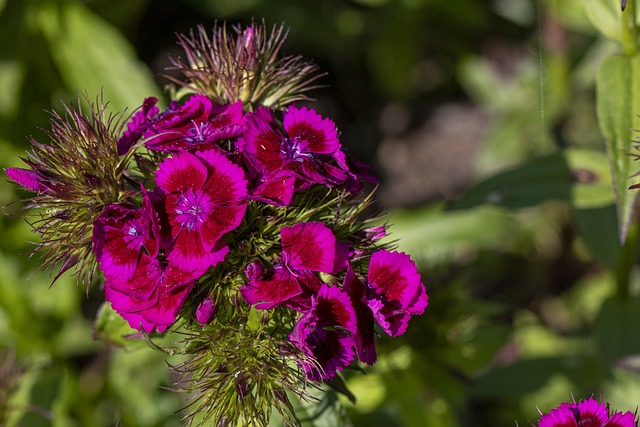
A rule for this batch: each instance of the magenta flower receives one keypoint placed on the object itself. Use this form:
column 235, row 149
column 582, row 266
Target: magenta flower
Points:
column 203, row 195
column 138, row 125
column 304, row 149
column 194, row 125
column 153, row 297
column 121, row 234
column 395, row 291
column 588, row 412
column 324, row 333
column 307, row 247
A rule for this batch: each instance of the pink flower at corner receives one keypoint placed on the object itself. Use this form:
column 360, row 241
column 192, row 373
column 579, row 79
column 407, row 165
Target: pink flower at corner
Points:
column 325, row 333
column 587, row 412
column 203, row 195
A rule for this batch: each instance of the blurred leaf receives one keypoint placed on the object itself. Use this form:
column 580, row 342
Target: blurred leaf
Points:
column 19, row 400
column 337, row 384
column 434, row 234
column 93, row 56
column 140, row 380
column 598, row 228
column 616, row 329
column 575, row 175
column 605, row 15
column 11, row 77
column 113, row 329
column 516, row 380
column 618, row 106
column 326, row 411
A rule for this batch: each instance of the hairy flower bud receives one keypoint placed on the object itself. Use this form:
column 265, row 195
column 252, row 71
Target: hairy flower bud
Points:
column 248, row 67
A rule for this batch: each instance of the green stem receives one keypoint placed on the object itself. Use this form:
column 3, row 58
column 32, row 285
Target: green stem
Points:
column 629, row 29
column 626, row 261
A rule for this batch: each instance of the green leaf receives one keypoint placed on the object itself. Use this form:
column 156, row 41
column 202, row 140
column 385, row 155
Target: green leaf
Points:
column 520, row 378
column 337, row 383
column 434, row 234
column 113, row 329
column 618, row 107
column 11, row 77
column 605, row 15
column 598, row 228
column 578, row 176
column 93, row 56
column 617, row 330
column 324, row 409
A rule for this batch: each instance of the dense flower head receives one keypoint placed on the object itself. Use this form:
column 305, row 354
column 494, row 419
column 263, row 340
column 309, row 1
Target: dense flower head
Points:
column 233, row 217
column 587, row 412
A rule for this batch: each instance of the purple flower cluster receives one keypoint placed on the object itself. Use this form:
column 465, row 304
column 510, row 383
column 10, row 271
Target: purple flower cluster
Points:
column 336, row 319
column 213, row 162
column 588, row 412
column 232, row 216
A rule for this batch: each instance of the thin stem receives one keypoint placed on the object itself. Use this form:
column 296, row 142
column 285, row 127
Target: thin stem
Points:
column 626, row 261
column 629, row 29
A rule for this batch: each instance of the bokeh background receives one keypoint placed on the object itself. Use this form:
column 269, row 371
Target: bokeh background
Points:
column 479, row 116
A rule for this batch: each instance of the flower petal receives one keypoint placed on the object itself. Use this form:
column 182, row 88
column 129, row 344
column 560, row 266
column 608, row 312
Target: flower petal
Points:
column 318, row 135
column 559, row 417
column 622, row 420
column 271, row 290
column 308, row 246
column 394, row 277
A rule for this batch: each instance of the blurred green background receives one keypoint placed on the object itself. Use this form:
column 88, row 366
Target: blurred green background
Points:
column 480, row 117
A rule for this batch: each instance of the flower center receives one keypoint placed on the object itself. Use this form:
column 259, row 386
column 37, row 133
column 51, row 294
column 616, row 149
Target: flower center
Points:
column 292, row 148
column 191, row 209
column 199, row 133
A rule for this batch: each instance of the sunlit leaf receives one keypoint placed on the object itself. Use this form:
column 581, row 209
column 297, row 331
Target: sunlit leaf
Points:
column 575, row 175
column 113, row 329
column 618, row 107
column 434, row 234
column 605, row 15
column 93, row 56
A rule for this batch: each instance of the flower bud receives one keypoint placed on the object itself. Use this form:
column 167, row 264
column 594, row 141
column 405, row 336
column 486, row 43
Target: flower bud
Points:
column 206, row 311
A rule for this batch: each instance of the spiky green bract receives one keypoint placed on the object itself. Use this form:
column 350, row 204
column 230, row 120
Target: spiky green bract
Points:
column 83, row 173
column 244, row 65
column 239, row 376
column 242, row 365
